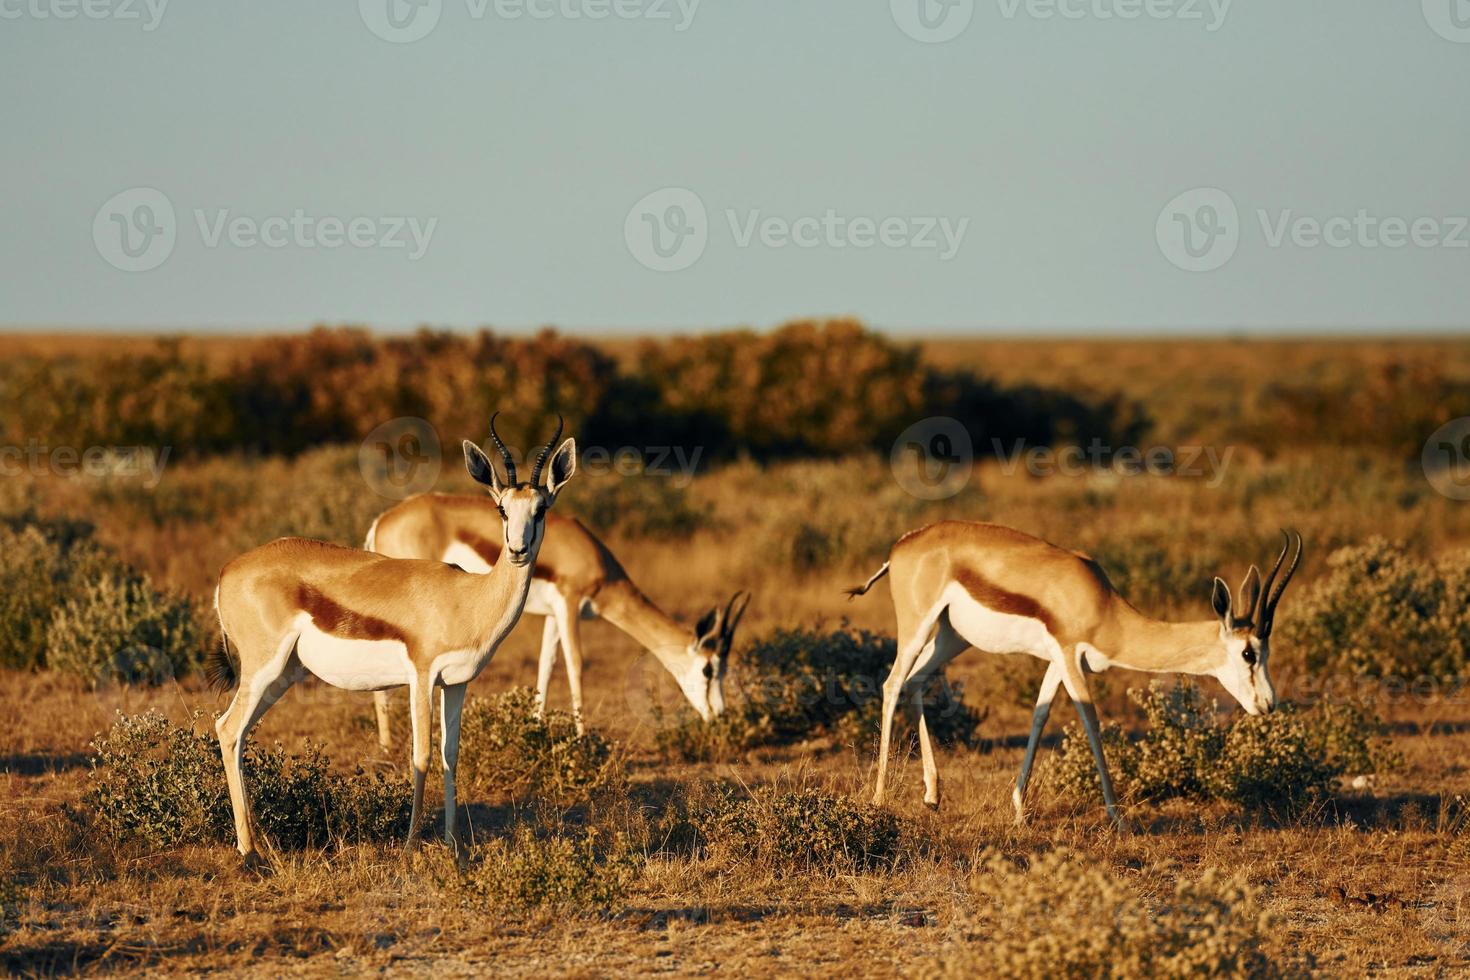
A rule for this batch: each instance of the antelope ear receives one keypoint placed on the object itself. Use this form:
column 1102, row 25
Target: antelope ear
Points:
column 482, row 469
column 1220, row 599
column 563, row 465
column 1248, row 597
column 707, row 624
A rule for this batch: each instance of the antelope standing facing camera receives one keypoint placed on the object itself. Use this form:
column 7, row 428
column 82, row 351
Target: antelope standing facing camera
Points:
column 959, row 584
column 363, row 622
column 576, row 578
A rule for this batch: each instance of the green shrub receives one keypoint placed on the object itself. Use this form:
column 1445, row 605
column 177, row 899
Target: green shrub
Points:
column 580, row 870
column 1065, row 915
column 119, row 628
column 506, row 750
column 1282, row 762
column 1383, row 613
column 796, row 831
column 162, row 785
column 797, row 684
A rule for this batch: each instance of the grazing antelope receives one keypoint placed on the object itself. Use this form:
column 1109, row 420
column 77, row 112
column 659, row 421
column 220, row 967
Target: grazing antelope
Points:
column 576, row 578
column 959, row 584
column 364, row 622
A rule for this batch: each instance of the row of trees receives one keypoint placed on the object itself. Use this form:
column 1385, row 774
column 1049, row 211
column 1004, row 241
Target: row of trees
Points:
column 809, row 388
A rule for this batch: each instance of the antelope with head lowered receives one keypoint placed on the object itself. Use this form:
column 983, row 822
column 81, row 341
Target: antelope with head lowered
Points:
column 959, row 584
column 576, row 578
column 364, row 622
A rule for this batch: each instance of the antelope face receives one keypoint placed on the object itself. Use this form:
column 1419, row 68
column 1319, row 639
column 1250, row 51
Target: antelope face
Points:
column 1245, row 632
column 522, row 506
column 1244, row 672
column 703, row 682
column 523, row 515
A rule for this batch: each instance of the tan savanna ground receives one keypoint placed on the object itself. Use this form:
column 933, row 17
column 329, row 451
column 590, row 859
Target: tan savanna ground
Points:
column 1378, row 882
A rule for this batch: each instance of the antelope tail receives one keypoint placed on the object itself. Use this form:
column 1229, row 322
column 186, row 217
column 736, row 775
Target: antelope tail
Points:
column 220, row 668
column 863, row 589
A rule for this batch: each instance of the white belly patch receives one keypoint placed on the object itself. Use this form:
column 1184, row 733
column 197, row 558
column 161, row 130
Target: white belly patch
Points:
column 354, row 665
column 998, row 632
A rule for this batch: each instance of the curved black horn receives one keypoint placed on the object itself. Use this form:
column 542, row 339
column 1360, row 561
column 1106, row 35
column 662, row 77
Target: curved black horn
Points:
column 545, row 452
column 510, row 464
column 1271, row 597
column 1258, row 614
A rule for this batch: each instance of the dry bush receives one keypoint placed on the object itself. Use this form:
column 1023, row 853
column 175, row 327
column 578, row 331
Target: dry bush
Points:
column 507, row 751
column 1281, row 763
column 1382, row 612
column 162, row 785
column 1062, row 914
column 42, row 564
column 800, row 830
column 119, row 628
column 799, row 684
column 69, row 604
column 556, row 870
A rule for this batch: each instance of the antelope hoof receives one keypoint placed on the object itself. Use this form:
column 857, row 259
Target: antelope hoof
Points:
column 932, row 804
column 253, row 863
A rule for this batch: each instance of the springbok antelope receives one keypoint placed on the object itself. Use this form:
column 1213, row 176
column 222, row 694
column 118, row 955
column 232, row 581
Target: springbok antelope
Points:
column 959, row 584
column 576, row 578
column 364, row 622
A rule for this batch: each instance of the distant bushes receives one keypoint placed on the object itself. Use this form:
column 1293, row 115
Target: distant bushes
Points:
column 1391, row 407
column 799, row 684
column 69, row 604
column 809, row 388
column 1279, row 763
column 162, row 785
column 1381, row 612
column 1062, row 914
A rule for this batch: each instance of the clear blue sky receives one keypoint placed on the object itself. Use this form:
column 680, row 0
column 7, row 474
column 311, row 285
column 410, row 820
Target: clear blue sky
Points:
column 1054, row 143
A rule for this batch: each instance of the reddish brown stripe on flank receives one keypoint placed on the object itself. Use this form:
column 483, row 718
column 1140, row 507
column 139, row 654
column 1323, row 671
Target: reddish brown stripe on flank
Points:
column 992, row 596
column 489, row 551
column 332, row 617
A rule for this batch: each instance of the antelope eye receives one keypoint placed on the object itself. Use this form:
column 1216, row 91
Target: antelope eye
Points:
column 1249, row 655
column 502, row 512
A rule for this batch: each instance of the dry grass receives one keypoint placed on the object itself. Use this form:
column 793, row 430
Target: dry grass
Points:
column 1373, row 881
